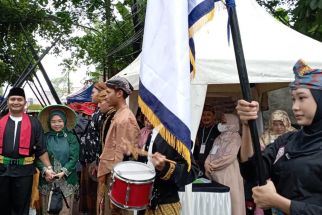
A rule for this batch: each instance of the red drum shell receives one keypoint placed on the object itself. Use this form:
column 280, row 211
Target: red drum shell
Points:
column 131, row 193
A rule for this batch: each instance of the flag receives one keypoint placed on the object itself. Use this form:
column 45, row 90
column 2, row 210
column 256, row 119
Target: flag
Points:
column 164, row 88
column 200, row 12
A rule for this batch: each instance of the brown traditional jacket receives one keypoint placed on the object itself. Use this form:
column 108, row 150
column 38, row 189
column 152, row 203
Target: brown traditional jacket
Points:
column 124, row 130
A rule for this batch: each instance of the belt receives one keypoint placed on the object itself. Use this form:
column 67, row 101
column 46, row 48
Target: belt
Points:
column 19, row 161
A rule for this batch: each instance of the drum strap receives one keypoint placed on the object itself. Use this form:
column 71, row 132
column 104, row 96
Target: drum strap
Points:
column 153, row 136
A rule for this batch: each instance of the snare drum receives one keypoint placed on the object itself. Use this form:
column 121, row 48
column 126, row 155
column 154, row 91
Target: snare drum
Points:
column 132, row 184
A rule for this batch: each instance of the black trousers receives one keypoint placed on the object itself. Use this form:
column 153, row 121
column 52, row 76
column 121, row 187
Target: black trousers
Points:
column 15, row 194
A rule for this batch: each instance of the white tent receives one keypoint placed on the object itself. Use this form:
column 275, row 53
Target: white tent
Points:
column 270, row 50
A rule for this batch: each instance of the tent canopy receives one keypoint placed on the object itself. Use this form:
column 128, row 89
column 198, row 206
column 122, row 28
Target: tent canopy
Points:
column 83, row 95
column 270, row 48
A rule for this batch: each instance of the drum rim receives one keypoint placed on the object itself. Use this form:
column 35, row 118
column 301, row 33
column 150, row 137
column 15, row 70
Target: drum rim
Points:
column 125, row 206
column 132, row 181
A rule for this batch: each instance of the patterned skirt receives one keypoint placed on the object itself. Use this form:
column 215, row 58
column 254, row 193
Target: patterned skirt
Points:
column 88, row 192
column 165, row 209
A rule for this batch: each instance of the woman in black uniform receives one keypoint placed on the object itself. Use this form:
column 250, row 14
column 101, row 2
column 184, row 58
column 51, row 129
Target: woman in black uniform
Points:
column 294, row 161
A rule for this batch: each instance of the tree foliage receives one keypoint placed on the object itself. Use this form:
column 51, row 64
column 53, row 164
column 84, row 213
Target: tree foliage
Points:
column 304, row 16
column 114, row 37
column 108, row 33
column 20, row 22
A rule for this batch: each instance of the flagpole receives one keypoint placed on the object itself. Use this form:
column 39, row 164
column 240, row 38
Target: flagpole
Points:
column 244, row 84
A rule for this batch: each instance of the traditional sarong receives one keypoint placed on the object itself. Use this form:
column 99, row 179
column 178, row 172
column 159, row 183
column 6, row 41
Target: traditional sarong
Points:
column 35, row 202
column 88, row 189
column 165, row 209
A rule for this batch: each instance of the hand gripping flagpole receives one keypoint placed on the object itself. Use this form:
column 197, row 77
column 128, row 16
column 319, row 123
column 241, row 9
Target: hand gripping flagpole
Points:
column 244, row 84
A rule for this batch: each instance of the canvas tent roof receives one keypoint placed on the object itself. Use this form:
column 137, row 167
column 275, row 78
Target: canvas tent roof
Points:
column 270, row 48
column 83, row 95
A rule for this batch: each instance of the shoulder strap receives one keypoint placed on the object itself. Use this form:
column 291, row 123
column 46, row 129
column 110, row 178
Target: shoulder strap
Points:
column 86, row 128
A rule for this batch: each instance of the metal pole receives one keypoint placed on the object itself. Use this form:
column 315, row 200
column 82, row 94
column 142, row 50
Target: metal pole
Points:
column 43, row 91
column 35, row 94
column 40, row 96
column 42, row 69
column 24, row 76
column 244, row 84
column 42, row 88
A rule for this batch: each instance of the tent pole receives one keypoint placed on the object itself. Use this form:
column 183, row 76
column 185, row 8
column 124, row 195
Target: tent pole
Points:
column 35, row 93
column 3, row 104
column 244, row 84
column 42, row 88
column 39, row 93
column 42, row 69
column 44, row 93
column 26, row 74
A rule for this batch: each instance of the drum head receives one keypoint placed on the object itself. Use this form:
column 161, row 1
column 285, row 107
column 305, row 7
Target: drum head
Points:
column 135, row 171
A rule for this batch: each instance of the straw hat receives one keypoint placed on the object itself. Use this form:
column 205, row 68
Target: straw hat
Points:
column 70, row 116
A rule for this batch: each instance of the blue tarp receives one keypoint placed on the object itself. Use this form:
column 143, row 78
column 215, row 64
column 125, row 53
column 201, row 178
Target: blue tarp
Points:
column 83, row 95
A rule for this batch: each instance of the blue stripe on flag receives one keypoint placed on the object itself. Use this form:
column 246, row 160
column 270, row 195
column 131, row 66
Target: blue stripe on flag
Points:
column 192, row 46
column 193, row 54
column 167, row 118
column 200, row 10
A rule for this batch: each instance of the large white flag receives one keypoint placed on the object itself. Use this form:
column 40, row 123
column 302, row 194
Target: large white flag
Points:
column 164, row 91
column 166, row 65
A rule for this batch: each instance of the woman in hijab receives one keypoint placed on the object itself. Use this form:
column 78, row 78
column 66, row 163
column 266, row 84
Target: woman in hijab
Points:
column 222, row 165
column 279, row 123
column 293, row 161
column 63, row 151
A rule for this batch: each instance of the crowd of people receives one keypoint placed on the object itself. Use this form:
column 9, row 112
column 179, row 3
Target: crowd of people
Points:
column 222, row 153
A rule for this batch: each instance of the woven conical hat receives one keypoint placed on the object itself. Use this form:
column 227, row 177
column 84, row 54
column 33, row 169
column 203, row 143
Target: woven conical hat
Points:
column 70, row 116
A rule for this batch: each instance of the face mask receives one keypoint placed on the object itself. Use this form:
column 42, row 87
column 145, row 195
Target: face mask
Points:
column 222, row 127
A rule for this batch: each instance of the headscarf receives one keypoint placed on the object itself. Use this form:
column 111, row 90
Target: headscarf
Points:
column 229, row 134
column 280, row 115
column 232, row 124
column 309, row 139
column 306, row 77
column 316, row 124
column 57, row 142
column 269, row 136
column 59, row 113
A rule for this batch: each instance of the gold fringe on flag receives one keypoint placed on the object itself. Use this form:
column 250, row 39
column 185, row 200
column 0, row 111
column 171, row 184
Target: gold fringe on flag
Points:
column 192, row 30
column 203, row 20
column 193, row 63
column 180, row 147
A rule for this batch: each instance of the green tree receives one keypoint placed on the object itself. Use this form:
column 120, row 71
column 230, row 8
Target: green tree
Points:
column 21, row 21
column 304, row 16
column 111, row 32
column 115, row 36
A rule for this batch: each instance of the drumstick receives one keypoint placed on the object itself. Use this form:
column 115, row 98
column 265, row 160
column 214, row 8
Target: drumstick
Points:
column 135, row 151
column 145, row 153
